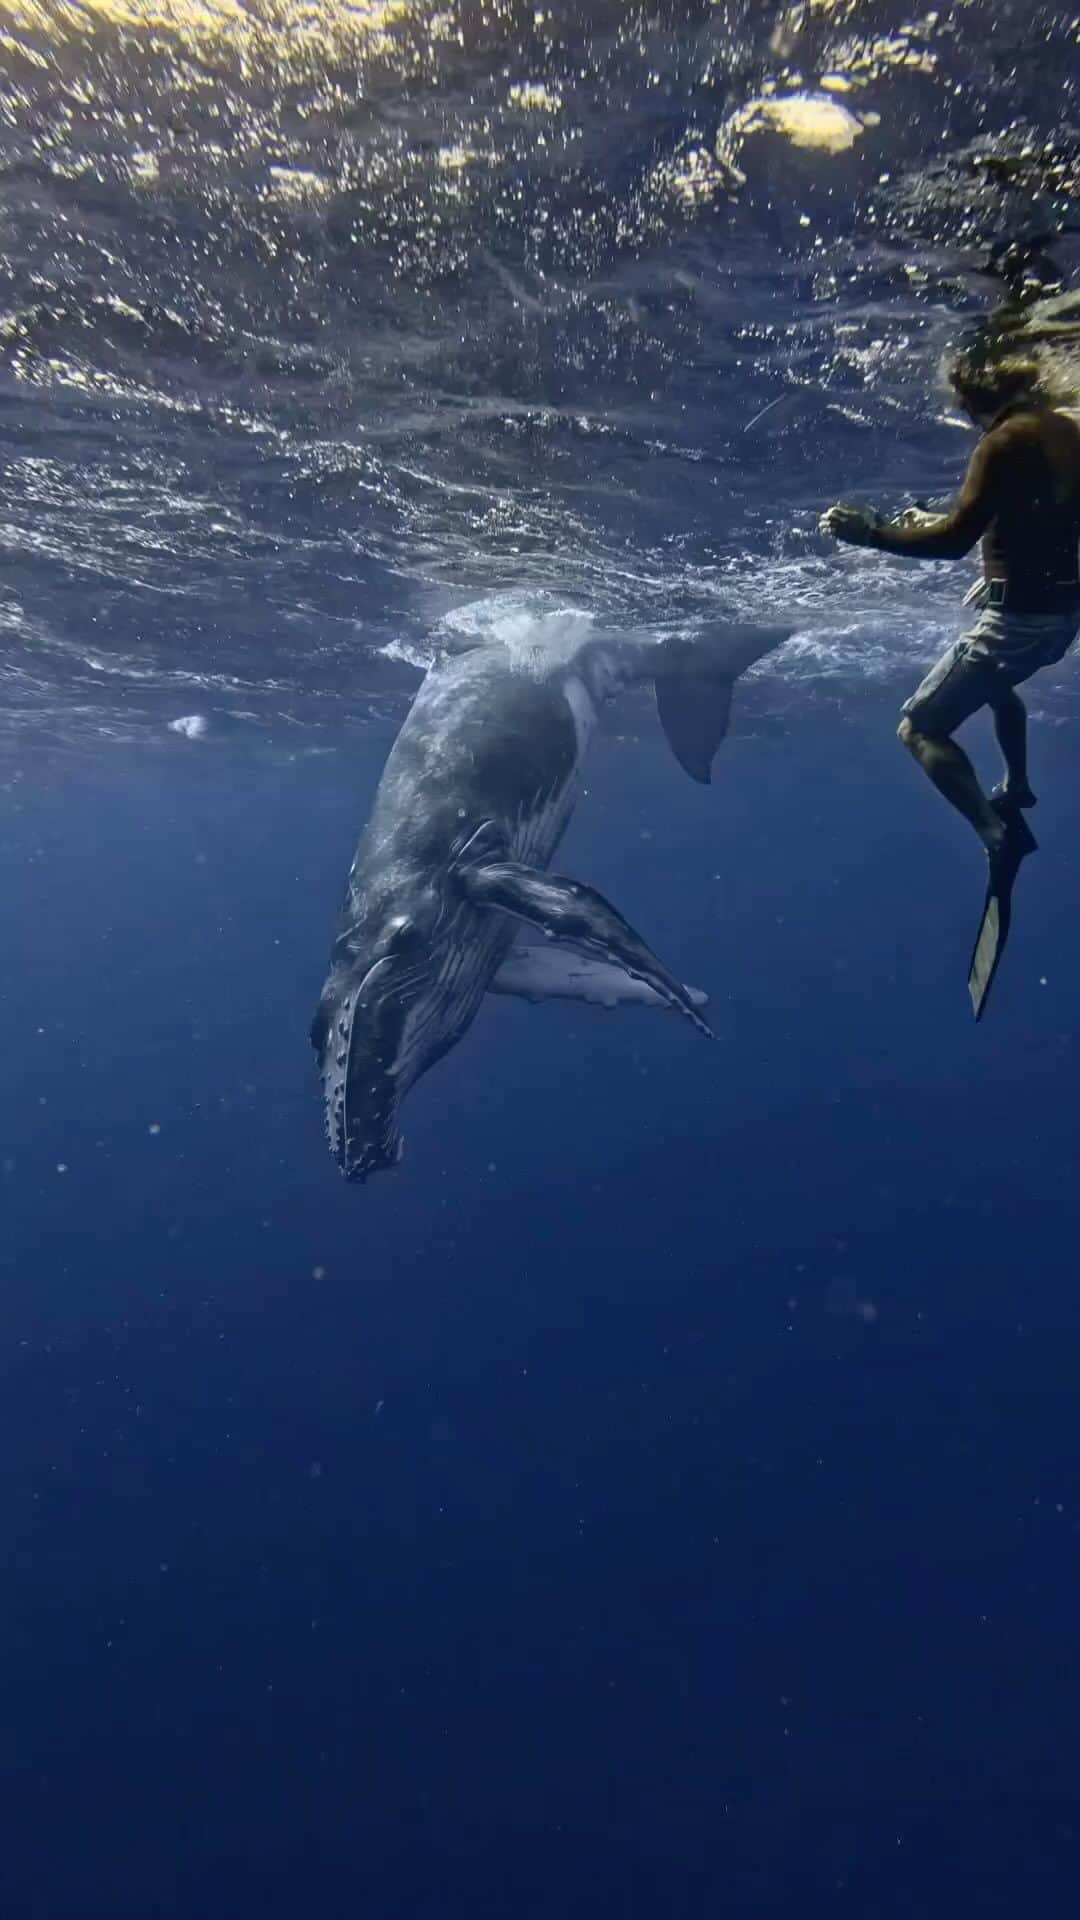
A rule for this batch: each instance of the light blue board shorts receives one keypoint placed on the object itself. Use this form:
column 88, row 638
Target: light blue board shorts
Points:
column 1000, row 651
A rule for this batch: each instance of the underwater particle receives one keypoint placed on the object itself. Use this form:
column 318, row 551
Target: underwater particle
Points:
column 61, row 1166
column 192, row 726
column 154, row 1127
column 318, row 1273
column 843, row 1299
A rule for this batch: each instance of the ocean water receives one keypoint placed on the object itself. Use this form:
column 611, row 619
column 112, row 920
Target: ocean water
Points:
column 661, row 1493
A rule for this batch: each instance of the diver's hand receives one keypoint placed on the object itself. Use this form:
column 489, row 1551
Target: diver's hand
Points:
column 854, row 525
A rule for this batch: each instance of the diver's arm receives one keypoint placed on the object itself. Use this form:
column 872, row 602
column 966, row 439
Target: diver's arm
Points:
column 928, row 536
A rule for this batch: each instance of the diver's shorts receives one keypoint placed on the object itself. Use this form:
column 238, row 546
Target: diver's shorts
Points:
column 1000, row 651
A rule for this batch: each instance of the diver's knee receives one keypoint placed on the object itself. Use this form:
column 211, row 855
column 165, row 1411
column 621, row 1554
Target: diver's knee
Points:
column 919, row 739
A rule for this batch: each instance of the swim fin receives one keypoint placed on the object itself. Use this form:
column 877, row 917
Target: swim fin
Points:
column 990, row 941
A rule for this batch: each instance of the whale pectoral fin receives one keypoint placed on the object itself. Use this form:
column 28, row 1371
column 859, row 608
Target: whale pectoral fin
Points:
column 695, row 712
column 569, row 911
column 557, row 973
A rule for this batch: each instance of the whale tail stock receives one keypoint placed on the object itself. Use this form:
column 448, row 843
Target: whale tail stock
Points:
column 695, row 684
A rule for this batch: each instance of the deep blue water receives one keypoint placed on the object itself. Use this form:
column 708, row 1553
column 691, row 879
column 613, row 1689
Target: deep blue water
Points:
column 662, row 1493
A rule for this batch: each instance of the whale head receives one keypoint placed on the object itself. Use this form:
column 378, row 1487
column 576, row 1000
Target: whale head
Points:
column 377, row 977
column 353, row 1036
column 403, row 983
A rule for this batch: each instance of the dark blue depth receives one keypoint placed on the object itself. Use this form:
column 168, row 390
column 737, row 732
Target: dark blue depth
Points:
column 662, row 1493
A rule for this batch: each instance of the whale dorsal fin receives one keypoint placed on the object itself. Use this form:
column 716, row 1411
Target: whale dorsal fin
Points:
column 570, row 911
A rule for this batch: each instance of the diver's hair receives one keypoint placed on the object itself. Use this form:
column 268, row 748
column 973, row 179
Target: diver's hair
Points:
column 983, row 384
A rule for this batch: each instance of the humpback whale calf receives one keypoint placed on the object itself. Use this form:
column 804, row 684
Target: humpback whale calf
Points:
column 473, row 801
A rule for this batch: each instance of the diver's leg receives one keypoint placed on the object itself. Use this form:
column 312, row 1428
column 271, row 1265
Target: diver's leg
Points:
column 952, row 773
column 1010, row 726
column 957, row 685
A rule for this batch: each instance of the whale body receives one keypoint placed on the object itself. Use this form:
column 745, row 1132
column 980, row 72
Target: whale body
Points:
column 473, row 801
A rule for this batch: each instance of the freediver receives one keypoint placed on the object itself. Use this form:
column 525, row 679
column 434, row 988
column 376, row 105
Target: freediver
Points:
column 1021, row 497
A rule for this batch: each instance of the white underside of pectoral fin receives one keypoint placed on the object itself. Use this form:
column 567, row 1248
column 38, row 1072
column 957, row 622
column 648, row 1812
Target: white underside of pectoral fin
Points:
column 557, row 973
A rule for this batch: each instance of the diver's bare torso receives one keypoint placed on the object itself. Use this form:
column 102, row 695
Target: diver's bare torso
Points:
column 1031, row 542
column 1020, row 497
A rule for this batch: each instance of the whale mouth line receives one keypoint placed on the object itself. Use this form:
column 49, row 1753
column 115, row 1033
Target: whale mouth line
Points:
column 367, row 979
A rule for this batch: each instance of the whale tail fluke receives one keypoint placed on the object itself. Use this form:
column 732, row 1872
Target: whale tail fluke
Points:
column 695, row 685
column 694, row 714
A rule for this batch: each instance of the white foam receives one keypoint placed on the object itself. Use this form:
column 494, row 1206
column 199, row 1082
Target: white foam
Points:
column 537, row 631
column 411, row 653
column 193, row 726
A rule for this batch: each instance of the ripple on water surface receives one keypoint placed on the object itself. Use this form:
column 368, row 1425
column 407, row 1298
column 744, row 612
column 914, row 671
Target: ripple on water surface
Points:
column 319, row 320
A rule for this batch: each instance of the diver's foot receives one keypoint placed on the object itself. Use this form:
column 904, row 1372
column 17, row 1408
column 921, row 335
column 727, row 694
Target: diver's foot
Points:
column 1003, row 860
column 1005, row 856
column 1007, row 796
column 1007, row 807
